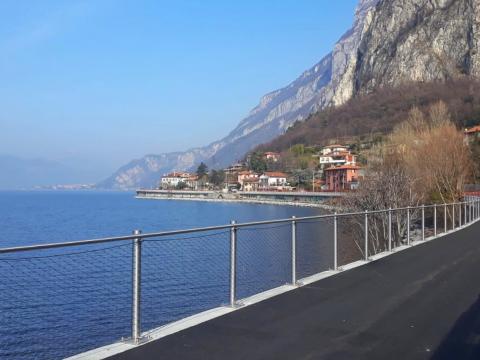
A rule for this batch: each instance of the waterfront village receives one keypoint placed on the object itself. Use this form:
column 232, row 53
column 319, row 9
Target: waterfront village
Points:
column 332, row 169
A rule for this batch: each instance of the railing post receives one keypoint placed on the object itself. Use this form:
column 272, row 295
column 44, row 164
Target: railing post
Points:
column 366, row 235
column 136, row 286
column 408, row 225
column 465, row 213
column 477, row 208
column 470, row 206
column 435, row 220
column 445, row 217
column 453, row 216
column 233, row 264
column 423, row 222
column 390, row 229
column 467, row 204
column 472, row 217
column 470, row 209
column 335, row 242
column 294, row 251
column 459, row 214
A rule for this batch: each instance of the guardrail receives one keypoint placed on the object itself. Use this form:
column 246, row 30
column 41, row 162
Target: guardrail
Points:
column 102, row 287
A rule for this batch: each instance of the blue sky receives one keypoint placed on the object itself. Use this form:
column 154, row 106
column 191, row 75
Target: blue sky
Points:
column 98, row 83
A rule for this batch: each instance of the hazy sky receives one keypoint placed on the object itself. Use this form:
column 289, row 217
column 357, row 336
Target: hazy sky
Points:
column 99, row 83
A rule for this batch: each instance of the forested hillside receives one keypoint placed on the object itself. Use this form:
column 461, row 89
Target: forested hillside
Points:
column 380, row 111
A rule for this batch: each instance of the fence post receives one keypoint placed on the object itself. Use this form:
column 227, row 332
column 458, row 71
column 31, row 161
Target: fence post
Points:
column 477, row 208
column 435, row 220
column 136, row 286
column 408, row 225
column 390, row 229
column 470, row 209
column 335, row 242
column 459, row 214
column 467, row 204
column 233, row 263
column 465, row 214
column 423, row 222
column 445, row 217
column 294, row 251
column 366, row 235
column 453, row 216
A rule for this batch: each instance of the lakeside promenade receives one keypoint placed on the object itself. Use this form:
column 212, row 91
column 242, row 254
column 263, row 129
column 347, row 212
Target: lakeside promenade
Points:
column 297, row 198
column 422, row 303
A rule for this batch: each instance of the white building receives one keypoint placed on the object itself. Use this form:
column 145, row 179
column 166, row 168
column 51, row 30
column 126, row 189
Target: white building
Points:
column 173, row 179
column 334, row 148
column 337, row 155
column 273, row 179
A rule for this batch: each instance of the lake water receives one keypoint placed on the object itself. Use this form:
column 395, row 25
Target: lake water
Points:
column 56, row 303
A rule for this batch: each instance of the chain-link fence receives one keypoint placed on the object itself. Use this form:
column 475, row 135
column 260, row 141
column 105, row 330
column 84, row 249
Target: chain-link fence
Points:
column 183, row 275
column 314, row 249
column 45, row 294
column 58, row 300
column 263, row 258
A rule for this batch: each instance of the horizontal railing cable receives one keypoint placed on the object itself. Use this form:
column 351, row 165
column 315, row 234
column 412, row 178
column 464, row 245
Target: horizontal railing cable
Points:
column 201, row 229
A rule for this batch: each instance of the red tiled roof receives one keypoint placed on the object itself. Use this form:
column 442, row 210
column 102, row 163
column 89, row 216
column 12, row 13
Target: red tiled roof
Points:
column 275, row 174
column 177, row 174
column 251, row 180
column 344, row 167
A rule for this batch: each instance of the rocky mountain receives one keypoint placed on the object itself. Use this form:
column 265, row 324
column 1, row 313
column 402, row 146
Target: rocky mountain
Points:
column 390, row 42
column 321, row 85
column 419, row 40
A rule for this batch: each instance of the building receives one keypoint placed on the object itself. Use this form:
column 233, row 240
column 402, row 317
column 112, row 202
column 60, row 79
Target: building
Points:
column 235, row 168
column 336, row 155
column 271, row 156
column 273, row 180
column 251, row 184
column 333, row 148
column 342, row 178
column 192, row 182
column 172, row 180
column 231, row 173
column 246, row 175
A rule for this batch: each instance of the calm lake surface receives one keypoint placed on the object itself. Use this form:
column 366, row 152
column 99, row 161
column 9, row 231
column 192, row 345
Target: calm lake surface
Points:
column 56, row 303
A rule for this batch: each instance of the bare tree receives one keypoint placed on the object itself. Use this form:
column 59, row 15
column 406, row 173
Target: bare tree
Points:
column 425, row 159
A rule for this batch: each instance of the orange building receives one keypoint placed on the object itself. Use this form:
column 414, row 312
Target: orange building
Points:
column 342, row 178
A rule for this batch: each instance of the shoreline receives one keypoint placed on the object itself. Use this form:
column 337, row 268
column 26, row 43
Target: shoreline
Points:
column 247, row 201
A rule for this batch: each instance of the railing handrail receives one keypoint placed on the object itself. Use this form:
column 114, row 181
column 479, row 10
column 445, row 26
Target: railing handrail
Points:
column 208, row 228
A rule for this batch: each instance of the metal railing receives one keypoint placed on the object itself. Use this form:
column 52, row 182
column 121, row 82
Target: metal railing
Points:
column 257, row 256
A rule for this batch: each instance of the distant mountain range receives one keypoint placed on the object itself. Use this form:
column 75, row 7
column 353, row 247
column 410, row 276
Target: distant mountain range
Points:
column 391, row 42
column 19, row 173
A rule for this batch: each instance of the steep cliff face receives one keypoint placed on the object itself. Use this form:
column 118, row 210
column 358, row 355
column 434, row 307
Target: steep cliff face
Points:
column 327, row 82
column 419, row 40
